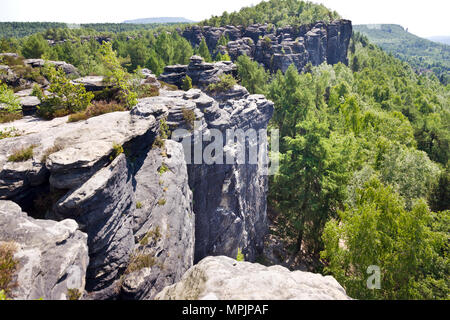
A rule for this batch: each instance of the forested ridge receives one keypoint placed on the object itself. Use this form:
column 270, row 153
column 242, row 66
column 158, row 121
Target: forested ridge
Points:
column 364, row 148
column 424, row 55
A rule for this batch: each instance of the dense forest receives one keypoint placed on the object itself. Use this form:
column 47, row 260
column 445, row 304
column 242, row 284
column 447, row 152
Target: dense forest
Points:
column 364, row 172
column 424, row 55
column 24, row 29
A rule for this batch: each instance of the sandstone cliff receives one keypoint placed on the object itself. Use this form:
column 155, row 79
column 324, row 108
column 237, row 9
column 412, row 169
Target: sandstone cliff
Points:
column 278, row 48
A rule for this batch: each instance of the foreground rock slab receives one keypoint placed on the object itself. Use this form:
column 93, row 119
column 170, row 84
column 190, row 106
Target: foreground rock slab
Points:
column 52, row 256
column 224, row 278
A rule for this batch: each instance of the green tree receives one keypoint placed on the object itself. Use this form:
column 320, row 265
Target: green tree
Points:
column 253, row 76
column 203, row 51
column 66, row 97
column 187, row 83
column 311, row 182
column 35, row 46
column 117, row 76
column 379, row 231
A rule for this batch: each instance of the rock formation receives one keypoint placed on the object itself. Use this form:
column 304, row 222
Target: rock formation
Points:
column 223, row 278
column 149, row 208
column 201, row 72
column 52, row 256
column 277, row 48
column 137, row 207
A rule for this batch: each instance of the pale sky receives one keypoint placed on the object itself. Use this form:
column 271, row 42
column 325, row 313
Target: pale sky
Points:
column 424, row 18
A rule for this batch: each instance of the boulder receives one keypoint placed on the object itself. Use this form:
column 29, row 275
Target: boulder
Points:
column 29, row 104
column 223, row 278
column 68, row 69
column 91, row 83
column 52, row 256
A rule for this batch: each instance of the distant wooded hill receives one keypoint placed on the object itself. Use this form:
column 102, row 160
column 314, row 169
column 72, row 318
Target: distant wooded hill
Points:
column 424, row 55
column 441, row 39
column 24, row 29
column 160, row 20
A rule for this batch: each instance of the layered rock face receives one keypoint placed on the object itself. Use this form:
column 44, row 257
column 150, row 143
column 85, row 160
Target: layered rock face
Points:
column 201, row 72
column 222, row 278
column 52, row 256
column 277, row 48
column 142, row 221
column 128, row 212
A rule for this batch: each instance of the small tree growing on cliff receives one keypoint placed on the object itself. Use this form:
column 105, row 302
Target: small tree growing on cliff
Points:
column 187, row 83
column 204, row 51
column 67, row 97
column 117, row 76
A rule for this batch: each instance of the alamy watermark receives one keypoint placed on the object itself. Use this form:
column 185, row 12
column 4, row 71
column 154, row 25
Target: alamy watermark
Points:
column 234, row 147
column 374, row 280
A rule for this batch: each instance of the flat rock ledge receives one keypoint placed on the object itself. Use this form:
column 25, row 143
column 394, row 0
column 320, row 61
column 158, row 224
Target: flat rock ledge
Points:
column 223, row 278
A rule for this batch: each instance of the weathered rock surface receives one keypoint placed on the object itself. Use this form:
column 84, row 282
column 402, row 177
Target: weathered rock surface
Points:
column 278, row 48
column 66, row 67
column 163, row 222
column 91, row 83
column 123, row 202
column 223, row 278
column 52, row 256
column 201, row 72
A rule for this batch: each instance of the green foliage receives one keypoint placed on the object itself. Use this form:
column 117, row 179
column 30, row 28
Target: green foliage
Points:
column 411, row 173
column 35, row 46
column 161, row 202
column 223, row 57
column 253, row 76
column 73, row 294
column 11, row 109
column 61, row 31
column 162, row 169
column 203, row 51
column 21, row 155
column 67, row 97
column 424, row 55
column 226, row 83
column 189, row 117
column 154, row 235
column 187, row 83
column 240, row 255
column 340, row 126
column 8, row 267
column 55, row 148
column 8, row 100
column 140, row 261
column 9, row 133
column 3, row 295
column 95, row 109
column 379, row 231
column 277, row 12
column 117, row 150
column 116, row 76
column 37, row 92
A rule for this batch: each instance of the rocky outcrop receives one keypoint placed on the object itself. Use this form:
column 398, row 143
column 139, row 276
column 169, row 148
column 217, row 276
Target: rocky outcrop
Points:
column 223, row 278
column 91, row 83
column 201, row 72
column 163, row 222
column 277, row 48
column 52, row 256
column 132, row 196
column 68, row 69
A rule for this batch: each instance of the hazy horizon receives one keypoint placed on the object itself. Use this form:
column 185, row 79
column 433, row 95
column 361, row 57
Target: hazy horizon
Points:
column 425, row 21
